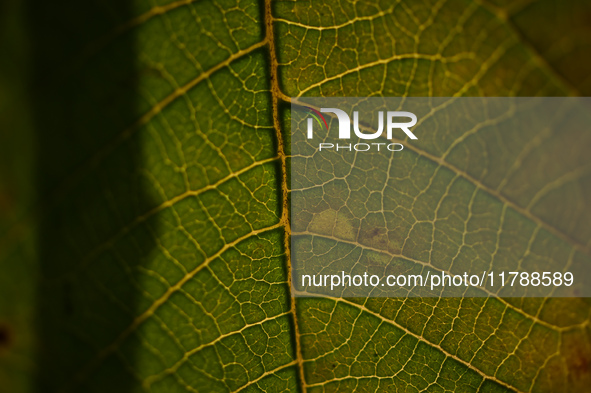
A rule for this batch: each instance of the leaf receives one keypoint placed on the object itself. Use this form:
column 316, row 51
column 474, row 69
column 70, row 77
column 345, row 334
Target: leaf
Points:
column 153, row 252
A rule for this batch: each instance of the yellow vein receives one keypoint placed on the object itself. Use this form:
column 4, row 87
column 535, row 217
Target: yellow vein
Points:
column 492, row 295
column 362, row 307
column 157, row 109
column 20, row 228
column 172, row 369
column 505, row 16
column 99, row 44
column 89, row 367
column 169, row 203
column 266, row 374
column 581, row 247
column 406, row 56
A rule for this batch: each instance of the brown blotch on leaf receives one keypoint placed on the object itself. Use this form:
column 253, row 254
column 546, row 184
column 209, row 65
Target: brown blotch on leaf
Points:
column 579, row 365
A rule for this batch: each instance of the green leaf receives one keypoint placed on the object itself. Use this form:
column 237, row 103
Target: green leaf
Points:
column 145, row 247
